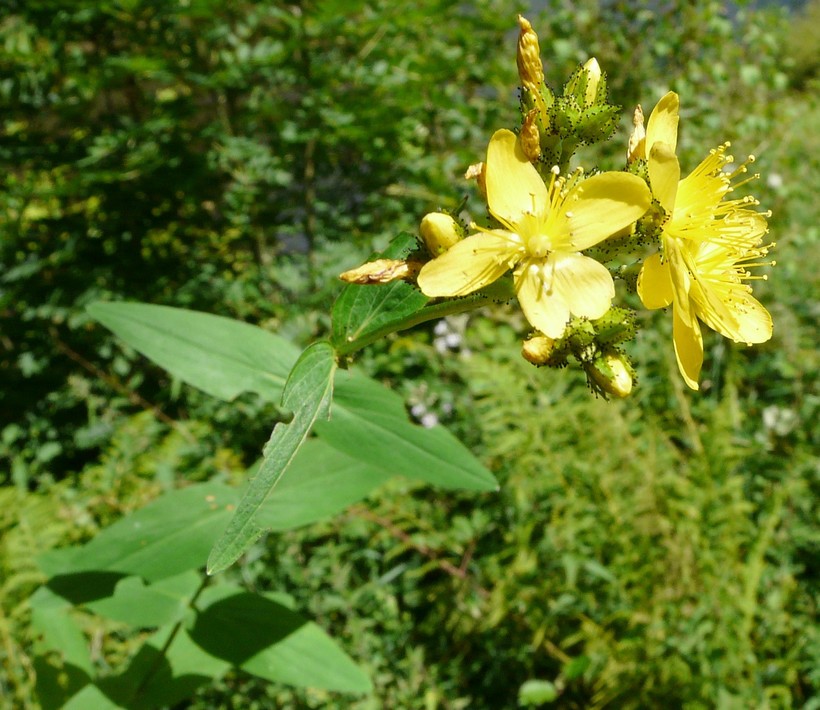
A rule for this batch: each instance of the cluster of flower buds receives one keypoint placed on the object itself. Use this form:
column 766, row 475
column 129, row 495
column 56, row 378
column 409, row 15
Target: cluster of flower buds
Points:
column 595, row 345
column 552, row 127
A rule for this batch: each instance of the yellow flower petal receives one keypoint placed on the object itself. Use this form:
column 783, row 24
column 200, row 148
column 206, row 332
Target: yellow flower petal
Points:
column 663, row 123
column 596, row 208
column 688, row 349
column 681, row 279
column 655, row 283
column 755, row 322
column 743, row 320
column 711, row 308
column 664, row 174
column 470, row 264
column 514, row 186
column 582, row 283
column 545, row 310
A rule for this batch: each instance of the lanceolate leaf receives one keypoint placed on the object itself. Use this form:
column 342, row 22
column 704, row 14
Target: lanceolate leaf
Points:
column 220, row 356
column 361, row 312
column 169, row 536
column 369, row 424
column 321, row 482
column 307, row 394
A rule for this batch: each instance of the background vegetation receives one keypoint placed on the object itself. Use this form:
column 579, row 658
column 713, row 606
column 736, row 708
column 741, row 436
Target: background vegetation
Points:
column 233, row 158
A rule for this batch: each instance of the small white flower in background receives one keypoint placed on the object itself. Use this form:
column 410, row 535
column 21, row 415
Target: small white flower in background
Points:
column 774, row 181
column 429, row 420
column 779, row 421
column 423, row 415
column 426, row 407
column 418, row 411
column 449, row 333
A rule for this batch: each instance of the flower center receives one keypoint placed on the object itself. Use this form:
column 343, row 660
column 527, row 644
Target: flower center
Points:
column 538, row 245
column 531, row 229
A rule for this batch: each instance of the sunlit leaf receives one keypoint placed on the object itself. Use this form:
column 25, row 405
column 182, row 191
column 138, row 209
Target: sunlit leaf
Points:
column 220, row 356
column 369, row 423
column 169, row 536
column 307, row 394
column 321, row 482
column 362, row 311
column 167, row 669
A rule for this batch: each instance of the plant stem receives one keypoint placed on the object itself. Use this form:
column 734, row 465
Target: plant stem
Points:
column 165, row 646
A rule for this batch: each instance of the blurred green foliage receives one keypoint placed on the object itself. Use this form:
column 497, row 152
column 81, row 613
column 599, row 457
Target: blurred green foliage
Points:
column 233, row 158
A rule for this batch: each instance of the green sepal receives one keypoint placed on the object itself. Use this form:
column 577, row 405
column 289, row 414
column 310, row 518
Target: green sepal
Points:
column 362, row 313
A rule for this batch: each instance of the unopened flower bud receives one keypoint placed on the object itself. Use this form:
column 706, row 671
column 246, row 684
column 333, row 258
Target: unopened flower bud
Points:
column 530, row 137
column 528, row 58
column 439, row 232
column 593, row 72
column 538, row 349
column 610, row 373
column 587, row 85
column 636, row 149
column 382, row 271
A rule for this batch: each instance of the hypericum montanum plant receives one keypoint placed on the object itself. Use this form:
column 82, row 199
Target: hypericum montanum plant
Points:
column 555, row 239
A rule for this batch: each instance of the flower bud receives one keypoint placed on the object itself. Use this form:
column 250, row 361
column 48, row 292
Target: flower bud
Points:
column 538, row 349
column 617, row 325
column 587, row 85
column 610, row 373
column 593, row 73
column 439, row 232
column 528, row 57
column 535, row 94
column 382, row 271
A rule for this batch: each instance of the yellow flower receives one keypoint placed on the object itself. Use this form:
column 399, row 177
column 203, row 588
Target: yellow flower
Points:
column 544, row 229
column 708, row 245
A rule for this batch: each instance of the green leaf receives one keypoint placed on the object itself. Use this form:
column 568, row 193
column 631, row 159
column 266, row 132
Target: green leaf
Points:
column 263, row 637
column 321, row 482
column 361, row 313
column 169, row 536
column 369, row 423
column 162, row 676
column 220, row 356
column 147, row 606
column 307, row 394
column 63, row 662
column 60, row 632
column 91, row 698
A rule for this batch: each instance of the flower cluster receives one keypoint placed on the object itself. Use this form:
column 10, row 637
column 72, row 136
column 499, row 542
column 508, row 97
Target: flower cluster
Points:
column 555, row 233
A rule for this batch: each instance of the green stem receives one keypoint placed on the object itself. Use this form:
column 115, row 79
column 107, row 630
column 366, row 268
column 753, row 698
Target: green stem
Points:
column 568, row 148
column 158, row 661
column 437, row 310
